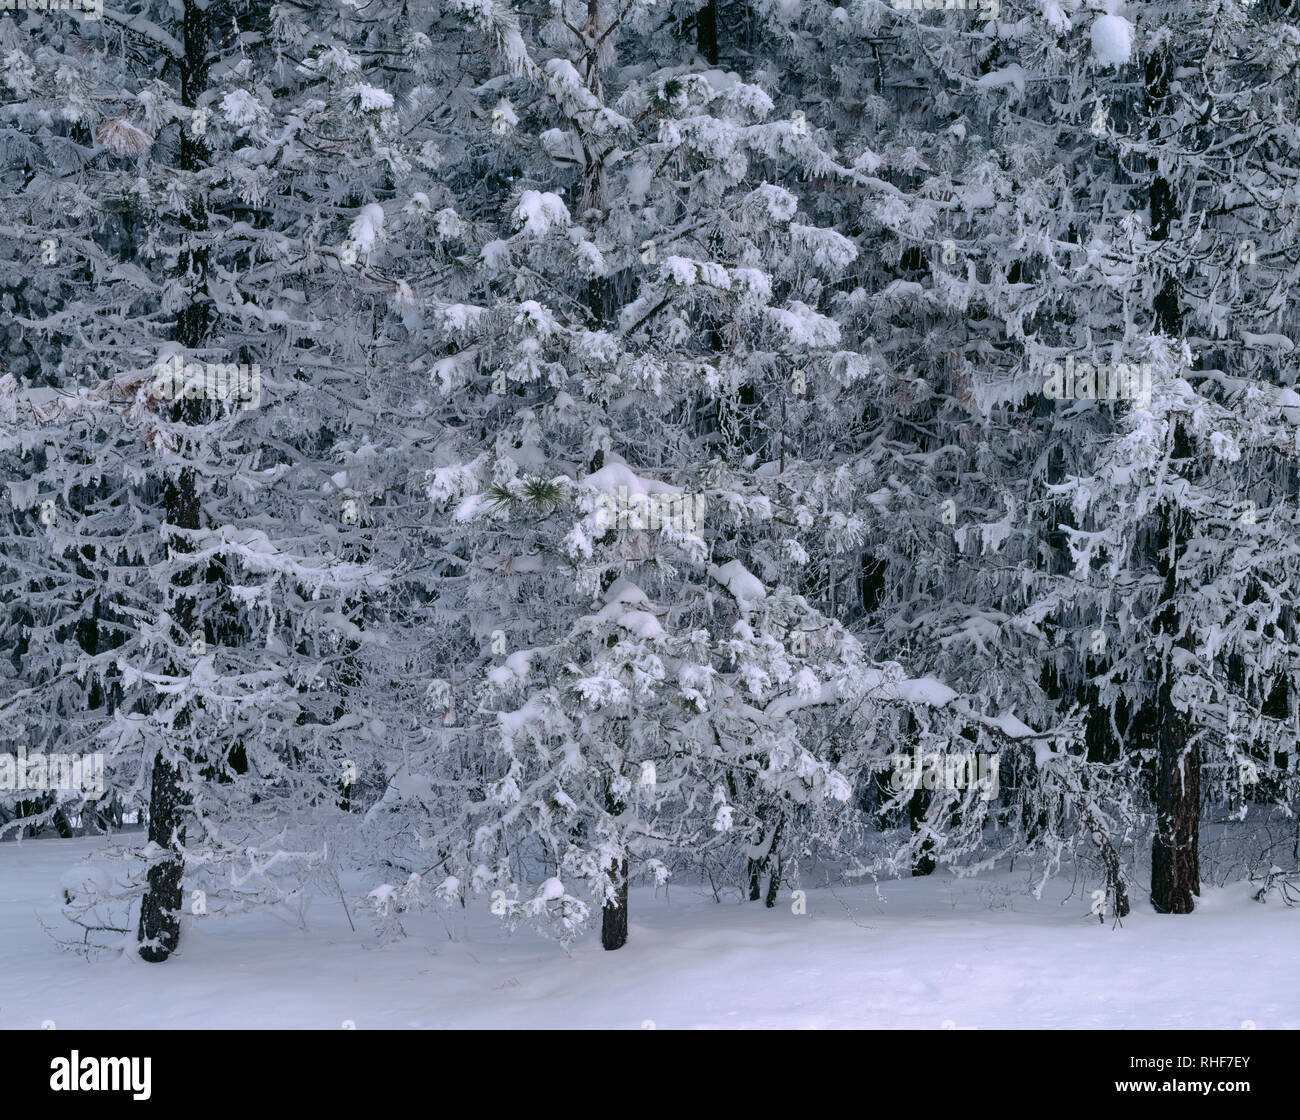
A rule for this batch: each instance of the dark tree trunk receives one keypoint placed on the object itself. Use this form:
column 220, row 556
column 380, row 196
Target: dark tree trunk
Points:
column 765, row 863
column 1115, row 884
column 916, row 810
column 1165, row 309
column 706, row 31
column 613, row 918
column 61, row 824
column 160, row 928
column 769, row 864
column 1175, row 869
column 1175, row 865
column 159, row 931
column 773, row 882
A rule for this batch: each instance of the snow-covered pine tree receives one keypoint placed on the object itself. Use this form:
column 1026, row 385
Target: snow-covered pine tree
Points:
column 647, row 327
column 1193, row 499
column 194, row 604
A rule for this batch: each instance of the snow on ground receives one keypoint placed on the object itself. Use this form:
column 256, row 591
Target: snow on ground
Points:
column 929, row 953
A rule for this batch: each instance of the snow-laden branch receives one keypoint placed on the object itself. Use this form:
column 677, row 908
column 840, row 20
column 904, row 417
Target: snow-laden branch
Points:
column 147, row 29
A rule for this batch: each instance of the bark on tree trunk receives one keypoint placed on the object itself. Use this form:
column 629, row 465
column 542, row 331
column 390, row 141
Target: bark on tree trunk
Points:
column 1175, row 864
column 916, row 810
column 1116, row 887
column 159, row 932
column 773, row 882
column 1175, row 858
column 159, row 929
column 1175, row 867
column 613, row 918
column 765, row 863
column 706, row 31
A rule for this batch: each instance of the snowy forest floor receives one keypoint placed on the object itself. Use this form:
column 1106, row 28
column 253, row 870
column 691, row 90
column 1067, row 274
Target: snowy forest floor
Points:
column 927, row 953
